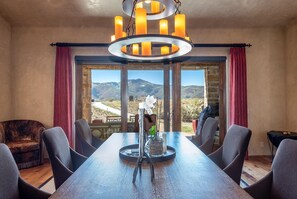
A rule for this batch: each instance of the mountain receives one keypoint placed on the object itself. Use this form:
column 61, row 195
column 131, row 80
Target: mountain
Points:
column 139, row 88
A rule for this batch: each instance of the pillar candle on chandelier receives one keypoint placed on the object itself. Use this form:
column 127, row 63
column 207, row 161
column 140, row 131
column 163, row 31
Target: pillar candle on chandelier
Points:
column 112, row 38
column 146, row 48
column 163, row 27
column 155, row 6
column 135, row 49
column 164, row 50
column 180, row 25
column 140, row 21
column 118, row 26
column 124, row 48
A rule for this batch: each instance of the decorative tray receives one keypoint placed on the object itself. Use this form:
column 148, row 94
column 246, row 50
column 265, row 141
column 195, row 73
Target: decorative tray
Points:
column 131, row 153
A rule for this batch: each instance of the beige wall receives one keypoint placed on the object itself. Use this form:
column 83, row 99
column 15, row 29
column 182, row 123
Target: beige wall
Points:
column 5, row 70
column 291, row 76
column 33, row 62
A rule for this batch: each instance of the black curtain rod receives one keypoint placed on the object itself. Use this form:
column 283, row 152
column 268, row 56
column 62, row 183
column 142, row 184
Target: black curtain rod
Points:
column 238, row 45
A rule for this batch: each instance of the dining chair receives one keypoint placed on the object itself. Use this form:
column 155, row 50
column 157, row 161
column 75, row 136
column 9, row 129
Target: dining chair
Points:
column 64, row 160
column 86, row 143
column 11, row 183
column 204, row 141
column 230, row 156
column 280, row 182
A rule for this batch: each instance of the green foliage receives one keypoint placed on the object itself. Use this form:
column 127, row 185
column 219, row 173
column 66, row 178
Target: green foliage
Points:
column 191, row 108
column 153, row 130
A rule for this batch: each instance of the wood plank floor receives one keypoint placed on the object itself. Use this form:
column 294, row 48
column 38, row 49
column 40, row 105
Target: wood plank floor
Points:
column 253, row 169
column 37, row 176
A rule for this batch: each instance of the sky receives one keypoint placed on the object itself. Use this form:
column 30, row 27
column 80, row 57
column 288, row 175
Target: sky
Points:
column 188, row 77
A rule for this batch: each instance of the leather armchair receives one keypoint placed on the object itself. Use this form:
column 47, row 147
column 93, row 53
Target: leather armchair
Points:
column 23, row 137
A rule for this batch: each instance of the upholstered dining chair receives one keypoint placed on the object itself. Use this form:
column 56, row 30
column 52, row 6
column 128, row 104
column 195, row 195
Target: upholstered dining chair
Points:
column 11, row 184
column 64, row 160
column 86, row 142
column 281, row 181
column 204, row 141
column 230, row 156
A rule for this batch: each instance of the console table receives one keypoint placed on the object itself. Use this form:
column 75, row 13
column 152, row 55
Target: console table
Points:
column 275, row 138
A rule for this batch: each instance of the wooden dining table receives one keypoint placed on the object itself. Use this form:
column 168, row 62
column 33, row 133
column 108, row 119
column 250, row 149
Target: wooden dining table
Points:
column 191, row 174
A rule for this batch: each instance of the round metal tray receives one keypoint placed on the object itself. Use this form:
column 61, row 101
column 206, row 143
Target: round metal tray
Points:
column 131, row 153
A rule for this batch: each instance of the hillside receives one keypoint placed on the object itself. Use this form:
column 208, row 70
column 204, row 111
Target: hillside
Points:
column 139, row 88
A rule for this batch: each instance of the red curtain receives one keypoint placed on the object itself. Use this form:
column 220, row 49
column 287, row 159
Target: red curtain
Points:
column 63, row 91
column 238, row 88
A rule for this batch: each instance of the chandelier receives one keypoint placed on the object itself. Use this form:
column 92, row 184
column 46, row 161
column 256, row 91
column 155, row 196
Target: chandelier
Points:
column 136, row 43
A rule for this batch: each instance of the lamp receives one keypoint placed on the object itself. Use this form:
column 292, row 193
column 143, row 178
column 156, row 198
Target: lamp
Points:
column 137, row 44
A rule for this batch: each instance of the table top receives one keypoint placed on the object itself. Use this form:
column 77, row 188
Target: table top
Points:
column 191, row 174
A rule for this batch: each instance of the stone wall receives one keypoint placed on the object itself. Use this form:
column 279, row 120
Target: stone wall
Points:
column 211, row 89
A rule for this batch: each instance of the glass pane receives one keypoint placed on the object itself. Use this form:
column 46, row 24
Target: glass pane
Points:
column 192, row 98
column 106, row 101
column 142, row 83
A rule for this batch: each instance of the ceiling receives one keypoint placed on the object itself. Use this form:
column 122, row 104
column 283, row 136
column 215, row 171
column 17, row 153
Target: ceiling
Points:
column 200, row 13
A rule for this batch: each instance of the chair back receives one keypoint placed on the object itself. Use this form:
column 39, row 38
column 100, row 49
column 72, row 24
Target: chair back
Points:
column 83, row 131
column 57, row 146
column 284, row 169
column 236, row 144
column 9, row 174
column 208, row 134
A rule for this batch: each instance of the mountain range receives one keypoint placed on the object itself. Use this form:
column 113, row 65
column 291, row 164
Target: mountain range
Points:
column 139, row 88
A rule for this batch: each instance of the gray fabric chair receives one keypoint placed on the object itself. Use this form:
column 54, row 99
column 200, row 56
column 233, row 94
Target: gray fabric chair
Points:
column 86, row 142
column 63, row 159
column 230, row 156
column 204, row 141
column 12, row 186
column 281, row 181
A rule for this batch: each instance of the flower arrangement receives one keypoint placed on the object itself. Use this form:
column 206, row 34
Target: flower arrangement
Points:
column 149, row 104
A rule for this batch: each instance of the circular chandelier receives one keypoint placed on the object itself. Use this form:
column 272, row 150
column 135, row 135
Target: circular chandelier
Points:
column 136, row 44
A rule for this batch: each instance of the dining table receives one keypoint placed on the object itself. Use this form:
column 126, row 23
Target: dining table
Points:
column 190, row 174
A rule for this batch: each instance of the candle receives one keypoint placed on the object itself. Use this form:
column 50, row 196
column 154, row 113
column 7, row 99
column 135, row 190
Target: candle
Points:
column 174, row 48
column 124, row 48
column 146, row 48
column 140, row 21
column 135, row 49
column 112, row 38
column 118, row 26
column 180, row 25
column 155, row 6
column 164, row 50
column 163, row 27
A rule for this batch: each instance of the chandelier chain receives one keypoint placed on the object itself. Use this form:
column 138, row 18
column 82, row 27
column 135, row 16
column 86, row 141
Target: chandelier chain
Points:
column 130, row 28
column 177, row 6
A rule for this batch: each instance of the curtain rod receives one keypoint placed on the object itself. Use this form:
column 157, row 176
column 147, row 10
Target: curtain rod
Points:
column 238, row 45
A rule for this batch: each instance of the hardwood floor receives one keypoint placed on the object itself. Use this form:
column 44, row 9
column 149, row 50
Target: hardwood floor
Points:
column 37, row 176
column 253, row 170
